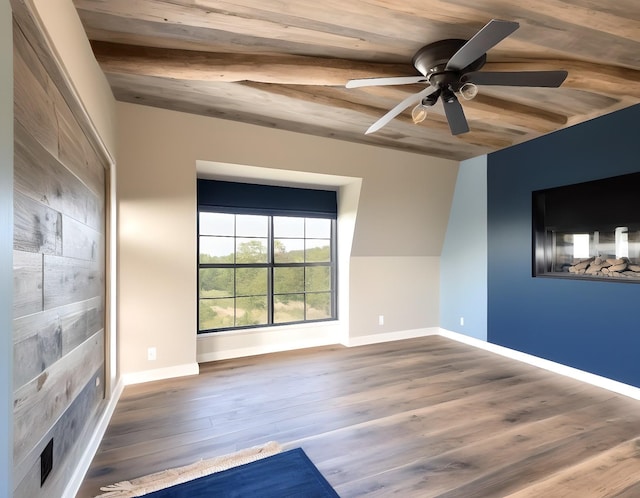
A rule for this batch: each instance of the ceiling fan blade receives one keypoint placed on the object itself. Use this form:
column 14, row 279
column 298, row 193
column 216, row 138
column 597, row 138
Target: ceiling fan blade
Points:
column 494, row 32
column 455, row 116
column 410, row 100
column 522, row 78
column 400, row 80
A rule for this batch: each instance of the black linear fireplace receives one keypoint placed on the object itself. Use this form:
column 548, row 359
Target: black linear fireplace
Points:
column 588, row 230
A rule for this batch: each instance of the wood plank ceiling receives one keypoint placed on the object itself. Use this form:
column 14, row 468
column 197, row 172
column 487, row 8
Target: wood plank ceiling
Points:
column 284, row 64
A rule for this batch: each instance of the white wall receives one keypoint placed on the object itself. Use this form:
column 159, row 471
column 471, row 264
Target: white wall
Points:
column 6, row 249
column 403, row 209
column 404, row 290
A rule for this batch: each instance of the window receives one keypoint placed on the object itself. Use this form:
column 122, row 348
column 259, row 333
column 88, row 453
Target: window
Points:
column 264, row 269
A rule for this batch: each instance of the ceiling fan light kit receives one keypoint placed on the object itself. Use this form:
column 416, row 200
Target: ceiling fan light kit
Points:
column 468, row 91
column 419, row 113
column 450, row 67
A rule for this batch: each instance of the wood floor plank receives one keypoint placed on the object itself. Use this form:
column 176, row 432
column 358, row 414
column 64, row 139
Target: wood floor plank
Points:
column 415, row 418
column 630, row 492
column 605, row 474
column 462, row 448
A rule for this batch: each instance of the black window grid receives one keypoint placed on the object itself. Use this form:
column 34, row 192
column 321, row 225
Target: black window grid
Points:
column 270, row 266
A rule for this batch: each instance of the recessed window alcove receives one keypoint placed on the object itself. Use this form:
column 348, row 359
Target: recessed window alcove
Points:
column 588, row 230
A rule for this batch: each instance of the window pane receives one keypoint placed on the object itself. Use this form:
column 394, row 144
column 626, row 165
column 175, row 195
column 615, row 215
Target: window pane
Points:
column 288, row 250
column 318, row 251
column 248, row 279
column 318, row 228
column 252, row 226
column 288, row 308
column 217, row 224
column 318, row 278
column 251, row 281
column 216, row 249
column 251, row 251
column 287, row 280
column 216, row 282
column 288, row 227
column 251, row 311
column 318, row 306
column 216, row 313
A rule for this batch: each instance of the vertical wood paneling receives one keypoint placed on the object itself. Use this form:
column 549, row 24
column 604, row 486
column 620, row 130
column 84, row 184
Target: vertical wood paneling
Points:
column 80, row 241
column 69, row 428
column 59, row 265
column 37, row 228
column 42, row 177
column 27, row 283
column 75, row 151
column 27, row 326
column 33, row 106
column 69, row 280
column 32, row 355
column 83, row 410
column 90, row 321
column 40, row 339
column 43, row 400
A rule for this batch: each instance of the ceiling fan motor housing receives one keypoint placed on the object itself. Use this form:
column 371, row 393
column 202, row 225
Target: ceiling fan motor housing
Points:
column 431, row 61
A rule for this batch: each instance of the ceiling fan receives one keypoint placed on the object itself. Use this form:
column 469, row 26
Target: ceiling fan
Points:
column 452, row 66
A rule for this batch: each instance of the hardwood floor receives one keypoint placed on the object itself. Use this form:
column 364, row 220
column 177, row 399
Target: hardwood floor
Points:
column 416, row 418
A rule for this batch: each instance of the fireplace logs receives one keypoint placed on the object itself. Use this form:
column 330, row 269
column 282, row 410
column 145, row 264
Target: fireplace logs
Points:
column 601, row 267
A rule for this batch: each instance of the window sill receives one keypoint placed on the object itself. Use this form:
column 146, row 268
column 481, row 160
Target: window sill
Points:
column 272, row 328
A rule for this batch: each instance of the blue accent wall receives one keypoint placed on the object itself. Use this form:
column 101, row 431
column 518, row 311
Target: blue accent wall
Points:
column 463, row 264
column 590, row 325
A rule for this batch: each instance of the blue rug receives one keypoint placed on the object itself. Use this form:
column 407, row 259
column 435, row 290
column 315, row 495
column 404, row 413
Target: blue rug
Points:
column 287, row 474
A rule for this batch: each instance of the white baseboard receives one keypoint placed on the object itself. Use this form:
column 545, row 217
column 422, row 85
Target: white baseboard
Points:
column 391, row 336
column 552, row 366
column 94, row 443
column 252, row 342
column 160, row 373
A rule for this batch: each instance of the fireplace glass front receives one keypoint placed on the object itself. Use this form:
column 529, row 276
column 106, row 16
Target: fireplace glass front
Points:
column 589, row 230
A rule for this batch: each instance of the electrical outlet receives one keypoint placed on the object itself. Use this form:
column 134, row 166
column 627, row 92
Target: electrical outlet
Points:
column 380, row 319
column 462, row 321
column 151, row 354
column 46, row 462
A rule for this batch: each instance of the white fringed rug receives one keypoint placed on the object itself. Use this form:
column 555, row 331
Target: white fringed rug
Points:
column 160, row 480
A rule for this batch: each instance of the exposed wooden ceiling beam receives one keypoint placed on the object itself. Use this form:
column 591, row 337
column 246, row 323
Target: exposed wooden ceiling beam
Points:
column 230, row 67
column 302, row 70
